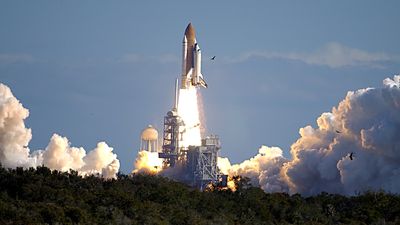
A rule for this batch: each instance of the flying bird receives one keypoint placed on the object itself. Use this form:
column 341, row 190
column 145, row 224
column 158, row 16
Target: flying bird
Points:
column 213, row 58
column 351, row 155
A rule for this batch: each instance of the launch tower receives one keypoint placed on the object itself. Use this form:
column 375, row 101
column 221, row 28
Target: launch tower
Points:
column 172, row 124
column 202, row 162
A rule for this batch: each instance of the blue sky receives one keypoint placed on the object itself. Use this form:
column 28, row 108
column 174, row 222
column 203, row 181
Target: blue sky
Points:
column 102, row 70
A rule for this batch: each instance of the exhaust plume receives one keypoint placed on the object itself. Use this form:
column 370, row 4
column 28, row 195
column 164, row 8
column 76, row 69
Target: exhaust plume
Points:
column 262, row 169
column 366, row 123
column 58, row 155
column 147, row 162
column 189, row 112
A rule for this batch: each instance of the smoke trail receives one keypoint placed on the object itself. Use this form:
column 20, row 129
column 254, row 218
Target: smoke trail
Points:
column 366, row 123
column 59, row 155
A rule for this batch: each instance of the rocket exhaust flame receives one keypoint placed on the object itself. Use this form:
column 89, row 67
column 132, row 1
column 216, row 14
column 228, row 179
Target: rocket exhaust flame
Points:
column 147, row 162
column 188, row 111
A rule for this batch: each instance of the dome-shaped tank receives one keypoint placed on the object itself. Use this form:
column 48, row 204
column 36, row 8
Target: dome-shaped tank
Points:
column 149, row 134
column 149, row 139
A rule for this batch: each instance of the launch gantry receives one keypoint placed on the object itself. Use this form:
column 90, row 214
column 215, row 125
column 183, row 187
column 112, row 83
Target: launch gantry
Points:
column 198, row 163
column 170, row 148
column 202, row 162
column 171, row 136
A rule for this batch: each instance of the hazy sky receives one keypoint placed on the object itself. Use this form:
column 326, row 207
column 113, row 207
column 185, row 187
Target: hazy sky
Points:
column 102, row 70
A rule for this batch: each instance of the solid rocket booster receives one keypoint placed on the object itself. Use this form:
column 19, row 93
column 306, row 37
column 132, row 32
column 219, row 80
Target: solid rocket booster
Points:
column 191, row 60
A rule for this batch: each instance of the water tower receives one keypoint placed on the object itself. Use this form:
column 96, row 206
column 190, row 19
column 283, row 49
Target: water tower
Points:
column 149, row 139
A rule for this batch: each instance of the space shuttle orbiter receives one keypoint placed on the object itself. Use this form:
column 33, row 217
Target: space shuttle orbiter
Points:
column 191, row 60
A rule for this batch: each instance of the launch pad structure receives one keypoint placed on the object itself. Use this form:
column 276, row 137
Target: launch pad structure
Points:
column 198, row 163
column 202, row 162
column 170, row 148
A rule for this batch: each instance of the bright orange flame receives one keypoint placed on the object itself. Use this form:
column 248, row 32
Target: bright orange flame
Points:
column 147, row 162
column 231, row 184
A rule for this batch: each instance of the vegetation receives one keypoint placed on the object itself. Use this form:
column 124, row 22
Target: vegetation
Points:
column 42, row 196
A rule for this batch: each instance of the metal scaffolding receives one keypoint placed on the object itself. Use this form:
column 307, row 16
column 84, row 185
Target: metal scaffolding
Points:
column 170, row 148
column 199, row 163
column 202, row 162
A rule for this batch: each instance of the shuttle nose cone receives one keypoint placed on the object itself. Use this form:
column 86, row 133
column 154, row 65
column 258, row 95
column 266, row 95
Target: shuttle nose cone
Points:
column 189, row 32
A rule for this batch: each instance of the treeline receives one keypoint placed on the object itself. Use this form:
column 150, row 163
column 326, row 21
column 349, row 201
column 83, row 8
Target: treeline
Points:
column 42, row 196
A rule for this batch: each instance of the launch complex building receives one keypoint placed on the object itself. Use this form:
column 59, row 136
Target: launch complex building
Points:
column 195, row 165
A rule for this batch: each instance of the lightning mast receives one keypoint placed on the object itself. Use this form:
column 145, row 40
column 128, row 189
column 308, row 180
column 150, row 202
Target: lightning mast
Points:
column 171, row 136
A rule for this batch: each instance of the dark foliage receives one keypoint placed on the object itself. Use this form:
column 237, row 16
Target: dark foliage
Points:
column 42, row 196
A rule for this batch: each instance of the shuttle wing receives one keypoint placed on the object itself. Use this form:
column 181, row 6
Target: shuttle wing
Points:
column 202, row 82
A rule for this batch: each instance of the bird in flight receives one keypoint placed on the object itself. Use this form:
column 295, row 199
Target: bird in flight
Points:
column 213, row 58
column 351, row 155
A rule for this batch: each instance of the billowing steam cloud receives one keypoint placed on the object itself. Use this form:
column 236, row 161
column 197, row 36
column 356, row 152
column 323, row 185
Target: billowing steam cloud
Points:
column 59, row 155
column 263, row 169
column 366, row 123
column 147, row 162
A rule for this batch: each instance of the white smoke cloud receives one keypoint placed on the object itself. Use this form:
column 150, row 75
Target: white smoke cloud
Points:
column 58, row 155
column 263, row 169
column 147, row 162
column 366, row 123
column 13, row 134
column 369, row 124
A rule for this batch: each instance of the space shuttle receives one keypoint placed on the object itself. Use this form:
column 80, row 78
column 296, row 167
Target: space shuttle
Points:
column 191, row 61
